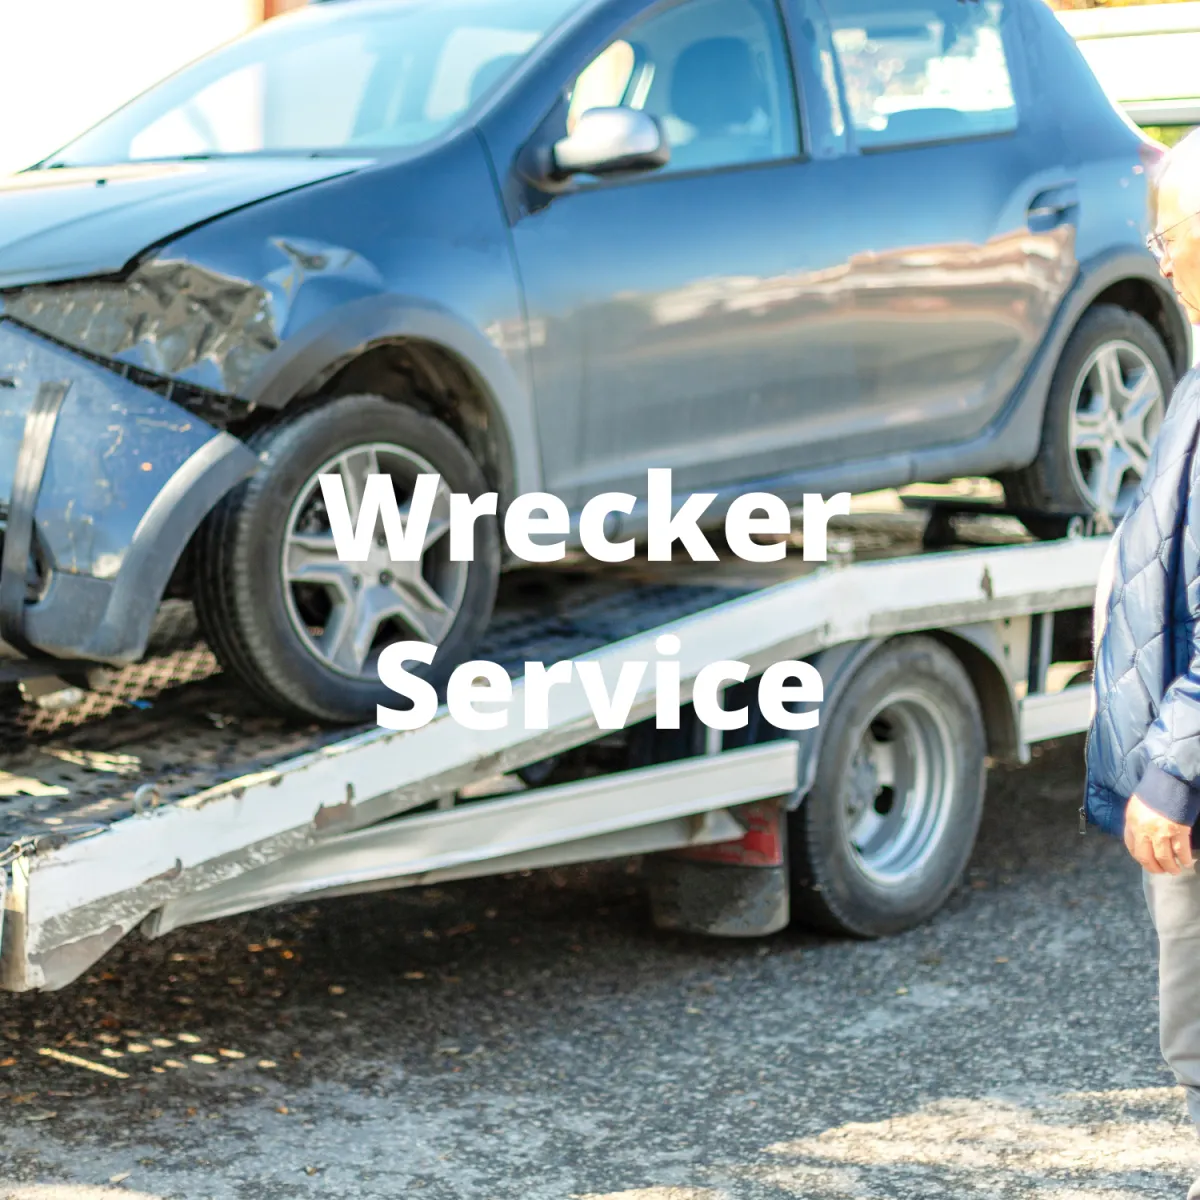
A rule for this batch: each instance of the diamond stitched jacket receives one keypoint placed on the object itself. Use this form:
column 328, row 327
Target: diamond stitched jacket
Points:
column 1145, row 730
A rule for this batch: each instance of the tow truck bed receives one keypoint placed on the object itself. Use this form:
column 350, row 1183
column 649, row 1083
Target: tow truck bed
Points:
column 168, row 798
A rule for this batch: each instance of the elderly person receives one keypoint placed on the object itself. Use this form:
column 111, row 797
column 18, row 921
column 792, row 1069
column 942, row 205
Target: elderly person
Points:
column 1143, row 755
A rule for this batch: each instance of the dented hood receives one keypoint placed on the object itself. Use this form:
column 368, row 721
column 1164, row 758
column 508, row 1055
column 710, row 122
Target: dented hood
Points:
column 66, row 223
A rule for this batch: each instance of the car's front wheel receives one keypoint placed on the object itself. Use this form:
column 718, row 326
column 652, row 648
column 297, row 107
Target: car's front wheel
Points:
column 283, row 613
column 1107, row 400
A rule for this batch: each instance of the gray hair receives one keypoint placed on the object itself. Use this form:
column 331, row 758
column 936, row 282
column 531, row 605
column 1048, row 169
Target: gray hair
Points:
column 1180, row 167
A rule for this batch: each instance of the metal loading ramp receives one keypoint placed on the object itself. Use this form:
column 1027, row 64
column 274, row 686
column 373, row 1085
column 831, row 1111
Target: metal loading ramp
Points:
column 260, row 813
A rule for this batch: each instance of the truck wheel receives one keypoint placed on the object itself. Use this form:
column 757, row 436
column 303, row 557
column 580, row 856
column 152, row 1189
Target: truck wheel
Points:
column 885, row 834
column 1107, row 400
column 304, row 630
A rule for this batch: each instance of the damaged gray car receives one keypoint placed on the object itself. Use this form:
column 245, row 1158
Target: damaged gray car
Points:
column 545, row 245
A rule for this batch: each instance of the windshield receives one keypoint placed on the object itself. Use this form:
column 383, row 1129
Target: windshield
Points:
column 341, row 76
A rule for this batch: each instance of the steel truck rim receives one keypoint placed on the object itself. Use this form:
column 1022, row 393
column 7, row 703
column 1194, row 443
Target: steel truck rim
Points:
column 900, row 788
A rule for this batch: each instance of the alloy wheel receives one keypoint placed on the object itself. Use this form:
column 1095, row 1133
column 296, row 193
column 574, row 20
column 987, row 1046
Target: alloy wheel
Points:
column 1116, row 409
column 346, row 613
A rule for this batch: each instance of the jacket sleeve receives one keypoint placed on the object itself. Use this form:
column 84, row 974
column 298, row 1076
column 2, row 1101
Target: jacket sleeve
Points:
column 1171, row 797
column 1168, row 784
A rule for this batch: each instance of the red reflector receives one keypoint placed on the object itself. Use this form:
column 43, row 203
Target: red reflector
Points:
column 760, row 846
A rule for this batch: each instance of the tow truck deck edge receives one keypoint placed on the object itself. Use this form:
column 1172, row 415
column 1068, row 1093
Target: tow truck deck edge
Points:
column 370, row 808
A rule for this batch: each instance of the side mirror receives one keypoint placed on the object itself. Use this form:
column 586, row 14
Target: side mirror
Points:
column 608, row 140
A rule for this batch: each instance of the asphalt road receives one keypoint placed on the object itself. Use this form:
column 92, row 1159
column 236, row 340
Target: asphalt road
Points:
column 534, row 1038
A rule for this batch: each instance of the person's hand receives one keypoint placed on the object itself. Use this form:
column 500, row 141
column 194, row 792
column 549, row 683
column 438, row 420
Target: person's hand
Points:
column 1160, row 845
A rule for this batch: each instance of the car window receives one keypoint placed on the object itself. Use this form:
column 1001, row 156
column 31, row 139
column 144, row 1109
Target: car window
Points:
column 330, row 77
column 714, row 72
column 923, row 72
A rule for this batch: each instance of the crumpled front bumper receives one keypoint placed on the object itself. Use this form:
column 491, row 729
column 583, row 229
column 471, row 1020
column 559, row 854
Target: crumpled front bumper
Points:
column 102, row 483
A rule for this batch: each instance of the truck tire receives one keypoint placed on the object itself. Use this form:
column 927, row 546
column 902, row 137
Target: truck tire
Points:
column 883, row 837
column 302, row 630
column 1114, row 361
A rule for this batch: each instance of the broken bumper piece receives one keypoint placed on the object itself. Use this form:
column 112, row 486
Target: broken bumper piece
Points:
column 102, row 483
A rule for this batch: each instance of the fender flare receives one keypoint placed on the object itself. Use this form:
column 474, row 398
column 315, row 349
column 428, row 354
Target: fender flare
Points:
column 1097, row 275
column 353, row 329
column 1103, row 270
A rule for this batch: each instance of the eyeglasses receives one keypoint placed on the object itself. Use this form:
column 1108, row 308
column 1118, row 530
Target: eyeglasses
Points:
column 1156, row 243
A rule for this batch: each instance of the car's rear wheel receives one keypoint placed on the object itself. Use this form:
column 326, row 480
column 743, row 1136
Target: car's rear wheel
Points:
column 1107, row 400
column 885, row 833
column 303, row 629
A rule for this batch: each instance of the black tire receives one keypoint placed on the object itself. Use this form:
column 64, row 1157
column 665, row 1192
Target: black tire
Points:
column 843, row 889
column 242, row 607
column 1047, row 489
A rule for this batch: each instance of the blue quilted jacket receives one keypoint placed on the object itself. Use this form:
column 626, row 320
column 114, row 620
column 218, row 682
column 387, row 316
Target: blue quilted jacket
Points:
column 1145, row 732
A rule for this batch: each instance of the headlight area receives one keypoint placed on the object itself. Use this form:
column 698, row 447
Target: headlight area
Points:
column 102, row 484
column 194, row 336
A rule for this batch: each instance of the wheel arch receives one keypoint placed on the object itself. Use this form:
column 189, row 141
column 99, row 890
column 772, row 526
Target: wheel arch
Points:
column 1140, row 296
column 1128, row 278
column 421, row 354
column 975, row 649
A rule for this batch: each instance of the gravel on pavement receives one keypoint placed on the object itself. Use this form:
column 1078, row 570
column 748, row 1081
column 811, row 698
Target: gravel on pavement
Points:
column 533, row 1037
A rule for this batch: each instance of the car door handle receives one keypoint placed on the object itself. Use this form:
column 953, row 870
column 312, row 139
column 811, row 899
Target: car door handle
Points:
column 1052, row 206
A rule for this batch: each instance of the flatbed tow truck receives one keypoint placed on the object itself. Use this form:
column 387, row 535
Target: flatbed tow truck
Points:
column 164, row 797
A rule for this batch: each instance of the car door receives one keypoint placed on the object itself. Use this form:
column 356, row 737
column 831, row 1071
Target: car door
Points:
column 963, row 216
column 663, row 306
